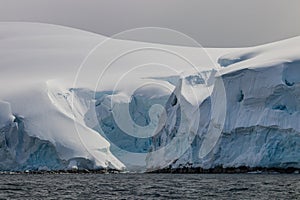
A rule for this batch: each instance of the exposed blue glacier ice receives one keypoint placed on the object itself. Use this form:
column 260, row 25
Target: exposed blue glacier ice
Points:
column 261, row 127
column 21, row 152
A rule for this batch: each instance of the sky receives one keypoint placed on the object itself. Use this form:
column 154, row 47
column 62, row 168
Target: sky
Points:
column 212, row 23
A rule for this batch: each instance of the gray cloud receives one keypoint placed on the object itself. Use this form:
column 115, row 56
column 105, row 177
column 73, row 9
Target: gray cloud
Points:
column 214, row 23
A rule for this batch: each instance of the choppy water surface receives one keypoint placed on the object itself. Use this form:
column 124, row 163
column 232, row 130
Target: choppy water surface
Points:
column 150, row 186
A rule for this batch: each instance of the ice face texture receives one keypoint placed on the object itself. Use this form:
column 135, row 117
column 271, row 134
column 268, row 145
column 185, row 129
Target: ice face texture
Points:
column 261, row 126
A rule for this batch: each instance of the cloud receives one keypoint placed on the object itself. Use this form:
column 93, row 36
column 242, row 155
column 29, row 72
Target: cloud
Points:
column 214, row 23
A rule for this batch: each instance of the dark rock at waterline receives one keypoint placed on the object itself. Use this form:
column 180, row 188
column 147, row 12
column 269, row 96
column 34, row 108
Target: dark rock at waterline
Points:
column 226, row 170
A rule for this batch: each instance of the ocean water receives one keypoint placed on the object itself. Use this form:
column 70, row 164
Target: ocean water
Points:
column 150, row 186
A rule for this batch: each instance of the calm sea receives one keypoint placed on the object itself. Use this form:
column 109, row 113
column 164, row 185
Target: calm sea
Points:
column 150, row 186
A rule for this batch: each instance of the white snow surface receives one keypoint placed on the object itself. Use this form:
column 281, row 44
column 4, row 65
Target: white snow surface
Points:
column 49, row 89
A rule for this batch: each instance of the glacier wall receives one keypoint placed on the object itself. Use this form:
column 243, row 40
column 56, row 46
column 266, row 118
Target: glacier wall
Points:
column 48, row 137
column 246, row 113
column 19, row 151
column 129, row 148
column 261, row 126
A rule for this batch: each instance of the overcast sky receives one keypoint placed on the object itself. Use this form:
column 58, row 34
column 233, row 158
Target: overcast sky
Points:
column 217, row 23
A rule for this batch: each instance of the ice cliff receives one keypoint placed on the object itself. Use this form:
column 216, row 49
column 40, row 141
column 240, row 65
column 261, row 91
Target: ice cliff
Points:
column 260, row 127
column 240, row 107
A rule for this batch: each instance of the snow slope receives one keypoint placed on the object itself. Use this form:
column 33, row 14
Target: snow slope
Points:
column 73, row 99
